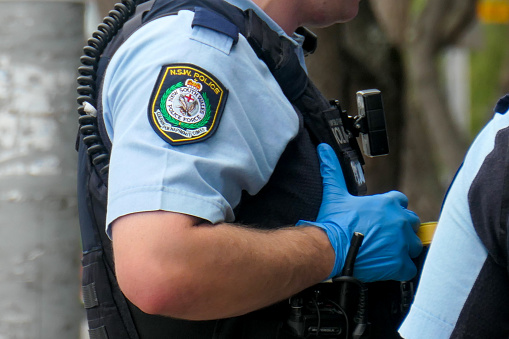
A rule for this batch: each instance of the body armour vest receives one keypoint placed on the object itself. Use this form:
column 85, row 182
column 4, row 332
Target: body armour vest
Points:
column 283, row 201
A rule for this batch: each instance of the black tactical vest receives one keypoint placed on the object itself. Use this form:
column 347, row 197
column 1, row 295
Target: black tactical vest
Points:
column 293, row 193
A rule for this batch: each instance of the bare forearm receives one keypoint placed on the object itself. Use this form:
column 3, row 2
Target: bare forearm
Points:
column 216, row 271
column 241, row 269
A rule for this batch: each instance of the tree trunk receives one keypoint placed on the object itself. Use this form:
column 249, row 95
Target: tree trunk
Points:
column 445, row 139
column 40, row 251
column 393, row 18
column 436, row 145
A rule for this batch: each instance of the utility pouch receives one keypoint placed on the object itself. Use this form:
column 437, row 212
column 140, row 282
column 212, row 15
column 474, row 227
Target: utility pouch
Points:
column 101, row 303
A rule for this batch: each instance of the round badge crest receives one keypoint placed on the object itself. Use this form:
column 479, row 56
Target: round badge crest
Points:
column 186, row 104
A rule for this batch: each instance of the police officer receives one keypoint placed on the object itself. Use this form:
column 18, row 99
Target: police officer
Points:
column 463, row 291
column 215, row 209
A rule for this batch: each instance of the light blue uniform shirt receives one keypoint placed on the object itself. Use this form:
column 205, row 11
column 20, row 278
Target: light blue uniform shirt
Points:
column 456, row 255
column 203, row 179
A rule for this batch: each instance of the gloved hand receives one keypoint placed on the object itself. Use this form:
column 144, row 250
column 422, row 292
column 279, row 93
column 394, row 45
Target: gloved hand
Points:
column 388, row 227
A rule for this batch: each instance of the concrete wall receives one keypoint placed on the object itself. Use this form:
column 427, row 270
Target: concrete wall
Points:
column 40, row 44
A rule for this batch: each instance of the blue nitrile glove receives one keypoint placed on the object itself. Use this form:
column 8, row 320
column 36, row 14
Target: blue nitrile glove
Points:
column 388, row 227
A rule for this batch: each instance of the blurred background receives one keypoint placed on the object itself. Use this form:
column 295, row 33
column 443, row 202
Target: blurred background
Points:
column 441, row 66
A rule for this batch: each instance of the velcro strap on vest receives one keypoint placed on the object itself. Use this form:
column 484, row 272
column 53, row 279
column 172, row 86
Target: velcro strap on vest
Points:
column 206, row 18
column 98, row 333
column 89, row 296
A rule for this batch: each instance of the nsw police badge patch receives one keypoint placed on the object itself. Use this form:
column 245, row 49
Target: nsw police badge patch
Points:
column 186, row 104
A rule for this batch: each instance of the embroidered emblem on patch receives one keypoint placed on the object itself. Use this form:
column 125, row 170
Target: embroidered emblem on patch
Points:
column 186, row 104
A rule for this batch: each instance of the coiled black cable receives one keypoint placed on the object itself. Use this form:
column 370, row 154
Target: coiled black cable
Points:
column 87, row 81
column 360, row 318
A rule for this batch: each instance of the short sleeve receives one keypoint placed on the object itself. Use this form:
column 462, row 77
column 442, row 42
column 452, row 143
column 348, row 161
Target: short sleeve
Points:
column 205, row 178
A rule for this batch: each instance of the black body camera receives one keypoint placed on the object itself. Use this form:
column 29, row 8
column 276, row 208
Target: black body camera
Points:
column 341, row 130
column 370, row 122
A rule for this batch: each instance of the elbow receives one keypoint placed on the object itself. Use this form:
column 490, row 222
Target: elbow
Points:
column 157, row 293
column 149, row 300
column 153, row 263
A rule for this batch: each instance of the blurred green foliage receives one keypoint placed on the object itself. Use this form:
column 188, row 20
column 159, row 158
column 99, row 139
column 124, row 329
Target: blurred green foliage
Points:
column 417, row 6
column 487, row 66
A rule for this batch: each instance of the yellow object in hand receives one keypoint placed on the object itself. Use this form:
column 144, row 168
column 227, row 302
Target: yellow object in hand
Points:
column 426, row 232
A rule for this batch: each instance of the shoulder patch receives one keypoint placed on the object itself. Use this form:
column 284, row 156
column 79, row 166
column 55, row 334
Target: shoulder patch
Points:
column 186, row 104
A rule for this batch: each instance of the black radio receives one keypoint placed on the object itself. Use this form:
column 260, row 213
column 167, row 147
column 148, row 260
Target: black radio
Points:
column 335, row 309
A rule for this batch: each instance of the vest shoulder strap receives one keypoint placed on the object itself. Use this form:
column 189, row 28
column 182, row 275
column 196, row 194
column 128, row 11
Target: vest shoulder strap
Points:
column 206, row 18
